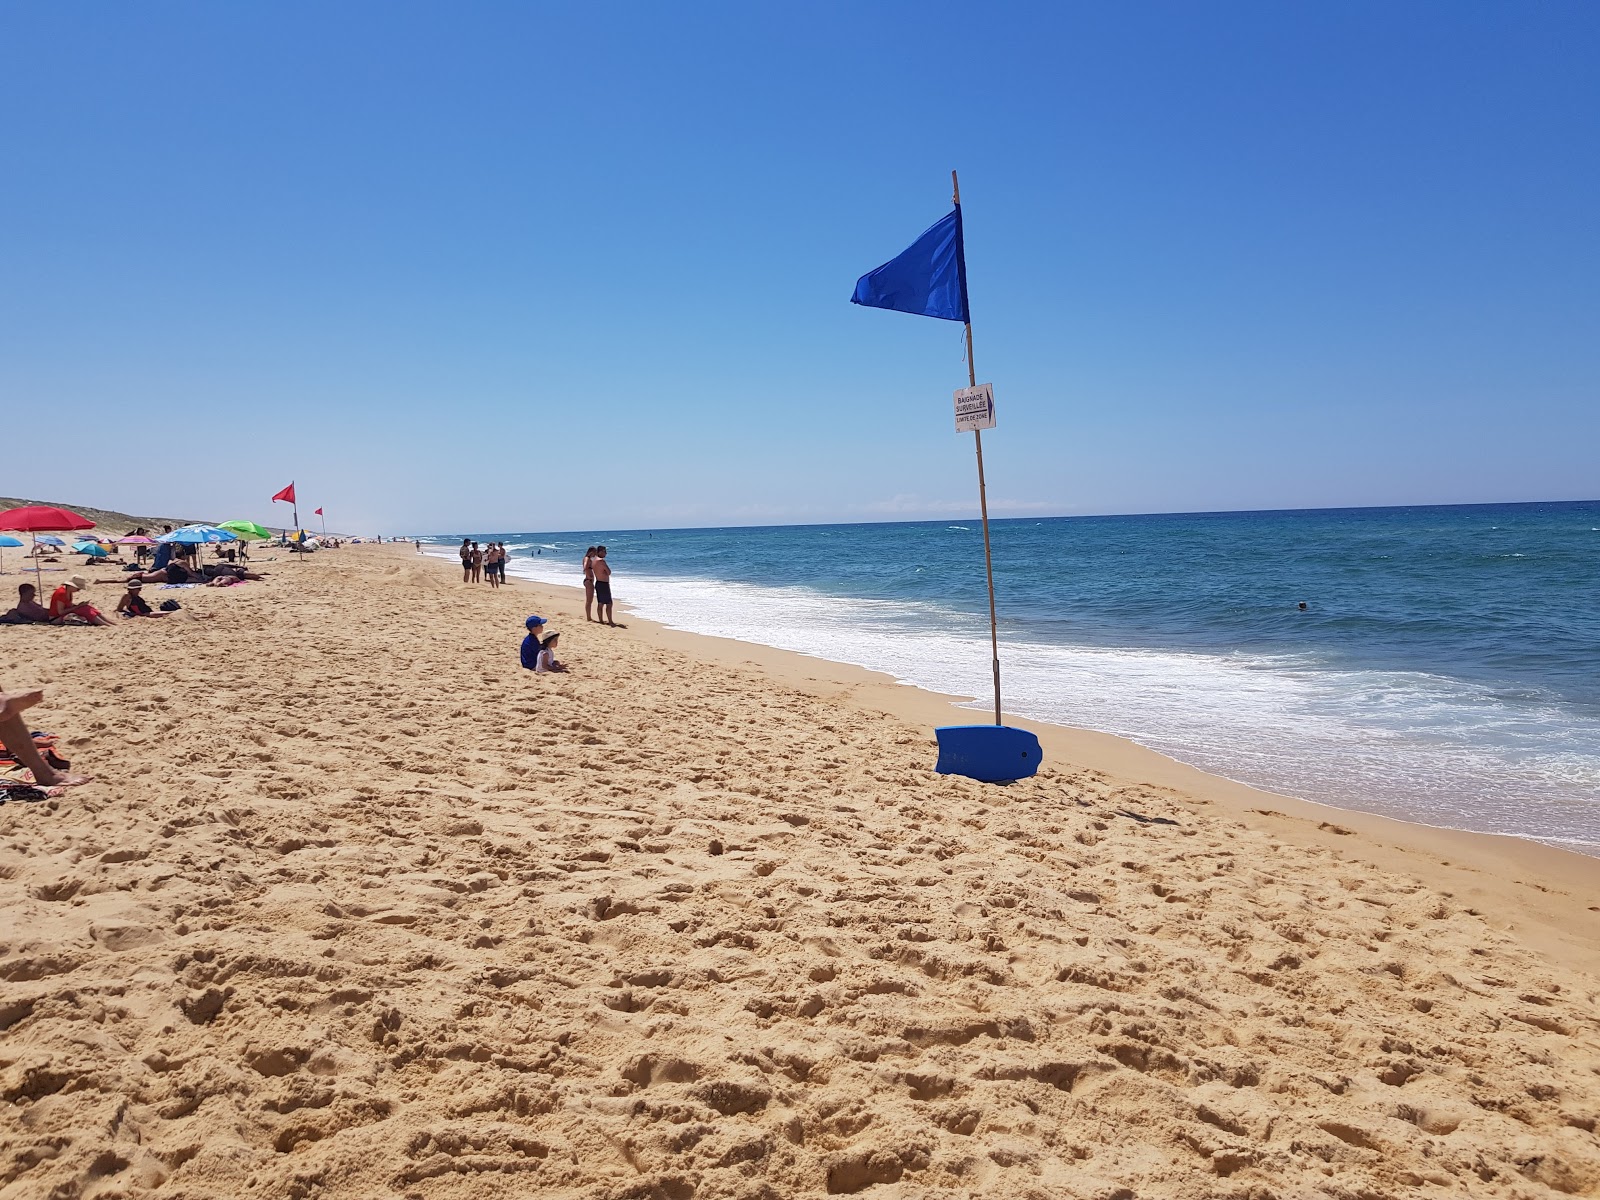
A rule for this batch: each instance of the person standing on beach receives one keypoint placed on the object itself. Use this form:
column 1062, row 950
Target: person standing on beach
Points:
column 602, row 585
column 466, row 561
column 477, row 563
column 494, row 560
column 588, row 584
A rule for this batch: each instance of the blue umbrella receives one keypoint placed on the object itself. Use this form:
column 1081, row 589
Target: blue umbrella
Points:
column 92, row 549
column 47, row 540
column 6, row 541
column 199, row 535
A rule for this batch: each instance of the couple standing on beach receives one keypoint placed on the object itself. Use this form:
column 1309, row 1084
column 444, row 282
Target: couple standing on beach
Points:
column 597, row 584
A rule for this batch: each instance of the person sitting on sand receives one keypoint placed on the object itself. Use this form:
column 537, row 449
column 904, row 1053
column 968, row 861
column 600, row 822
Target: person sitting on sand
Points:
column 530, row 644
column 133, row 604
column 16, row 738
column 546, row 662
column 66, row 601
column 28, row 610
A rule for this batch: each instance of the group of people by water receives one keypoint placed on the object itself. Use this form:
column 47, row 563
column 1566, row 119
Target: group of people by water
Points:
column 482, row 564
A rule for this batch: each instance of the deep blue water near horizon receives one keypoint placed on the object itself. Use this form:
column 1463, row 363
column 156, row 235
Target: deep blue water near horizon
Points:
column 1446, row 670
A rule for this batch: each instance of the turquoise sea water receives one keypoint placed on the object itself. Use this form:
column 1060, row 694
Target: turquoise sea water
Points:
column 1446, row 670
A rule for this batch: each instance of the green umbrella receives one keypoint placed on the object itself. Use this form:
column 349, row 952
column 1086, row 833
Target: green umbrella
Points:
column 246, row 529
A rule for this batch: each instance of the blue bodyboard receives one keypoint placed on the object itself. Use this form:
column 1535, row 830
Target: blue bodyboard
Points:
column 991, row 753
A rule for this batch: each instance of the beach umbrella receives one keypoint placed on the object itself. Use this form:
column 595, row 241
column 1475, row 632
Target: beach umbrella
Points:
column 43, row 518
column 135, row 540
column 247, row 529
column 48, row 540
column 199, row 535
column 7, row 541
column 92, row 549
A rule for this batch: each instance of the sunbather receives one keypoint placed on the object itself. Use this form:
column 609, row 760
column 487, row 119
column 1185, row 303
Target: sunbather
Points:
column 67, row 601
column 133, row 604
column 173, row 572
column 28, row 610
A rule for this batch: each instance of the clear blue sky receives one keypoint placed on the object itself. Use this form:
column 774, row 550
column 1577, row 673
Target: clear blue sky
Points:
column 516, row 266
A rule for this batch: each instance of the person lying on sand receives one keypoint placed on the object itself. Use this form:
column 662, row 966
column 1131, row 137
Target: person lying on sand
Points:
column 216, row 571
column 66, row 602
column 28, row 610
column 173, row 572
column 14, row 734
column 133, row 604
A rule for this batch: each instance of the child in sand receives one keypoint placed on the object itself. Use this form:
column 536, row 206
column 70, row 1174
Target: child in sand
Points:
column 546, row 662
column 530, row 644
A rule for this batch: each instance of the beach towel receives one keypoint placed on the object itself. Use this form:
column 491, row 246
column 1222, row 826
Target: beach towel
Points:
column 45, row 744
column 27, row 792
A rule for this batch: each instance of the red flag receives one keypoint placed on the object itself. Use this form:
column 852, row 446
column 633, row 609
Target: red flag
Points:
column 287, row 494
column 318, row 512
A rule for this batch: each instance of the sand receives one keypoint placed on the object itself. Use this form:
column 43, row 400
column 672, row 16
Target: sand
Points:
column 358, row 908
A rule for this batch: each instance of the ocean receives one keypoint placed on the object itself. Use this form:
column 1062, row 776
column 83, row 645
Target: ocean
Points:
column 1446, row 669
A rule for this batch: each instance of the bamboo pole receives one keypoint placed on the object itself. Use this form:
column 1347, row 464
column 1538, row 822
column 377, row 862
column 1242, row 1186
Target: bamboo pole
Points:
column 983, row 509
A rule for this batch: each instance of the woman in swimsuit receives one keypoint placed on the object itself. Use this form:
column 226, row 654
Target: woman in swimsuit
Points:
column 588, row 583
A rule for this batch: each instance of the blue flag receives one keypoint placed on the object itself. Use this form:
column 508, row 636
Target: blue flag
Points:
column 929, row 278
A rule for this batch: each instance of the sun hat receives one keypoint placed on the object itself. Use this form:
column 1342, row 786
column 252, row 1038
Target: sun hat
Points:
column 79, row 582
column 535, row 621
column 134, row 584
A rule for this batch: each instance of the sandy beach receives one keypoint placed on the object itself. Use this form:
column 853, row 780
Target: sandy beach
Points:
column 358, row 908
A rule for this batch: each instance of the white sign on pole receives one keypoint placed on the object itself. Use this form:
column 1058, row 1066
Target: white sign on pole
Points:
column 975, row 408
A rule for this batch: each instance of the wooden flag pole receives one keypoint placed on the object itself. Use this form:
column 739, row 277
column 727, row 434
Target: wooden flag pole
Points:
column 983, row 509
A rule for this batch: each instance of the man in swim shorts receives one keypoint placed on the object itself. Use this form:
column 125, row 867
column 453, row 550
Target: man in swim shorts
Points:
column 602, row 585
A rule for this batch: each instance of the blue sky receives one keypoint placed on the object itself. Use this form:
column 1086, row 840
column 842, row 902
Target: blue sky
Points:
column 513, row 266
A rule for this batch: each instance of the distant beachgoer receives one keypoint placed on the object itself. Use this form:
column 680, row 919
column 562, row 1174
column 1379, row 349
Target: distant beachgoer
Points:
column 67, row 601
column 1302, row 606
column 546, row 662
column 133, row 604
column 16, row 738
column 491, row 562
column 466, row 561
column 602, row 585
column 588, row 584
column 477, row 563
column 501, row 562
column 28, row 610
column 530, row 644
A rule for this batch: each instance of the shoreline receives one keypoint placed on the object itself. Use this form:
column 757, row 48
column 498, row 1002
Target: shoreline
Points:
column 1369, row 773
column 1550, row 894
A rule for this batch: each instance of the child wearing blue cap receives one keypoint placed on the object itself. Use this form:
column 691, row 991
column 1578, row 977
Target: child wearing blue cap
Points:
column 530, row 644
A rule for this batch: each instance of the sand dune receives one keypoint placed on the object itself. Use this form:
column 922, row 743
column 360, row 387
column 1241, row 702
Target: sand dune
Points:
column 358, row 909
